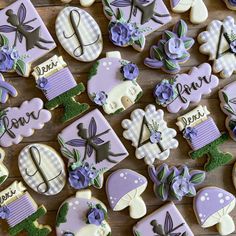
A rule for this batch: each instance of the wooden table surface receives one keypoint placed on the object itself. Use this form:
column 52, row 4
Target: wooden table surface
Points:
column 120, row 222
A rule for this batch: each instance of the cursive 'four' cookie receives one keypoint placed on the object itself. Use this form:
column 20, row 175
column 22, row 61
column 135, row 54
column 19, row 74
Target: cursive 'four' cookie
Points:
column 123, row 188
column 79, row 34
column 149, row 134
column 82, row 215
column 24, row 37
column 42, row 169
column 17, row 123
column 219, row 42
column 113, row 83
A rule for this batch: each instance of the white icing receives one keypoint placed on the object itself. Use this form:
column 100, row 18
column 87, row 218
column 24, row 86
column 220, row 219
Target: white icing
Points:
column 220, row 195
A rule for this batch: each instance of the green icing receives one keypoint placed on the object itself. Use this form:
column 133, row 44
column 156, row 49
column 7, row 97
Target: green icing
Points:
column 137, row 233
column 93, row 70
column 61, row 216
column 138, row 96
column 118, row 111
column 3, row 178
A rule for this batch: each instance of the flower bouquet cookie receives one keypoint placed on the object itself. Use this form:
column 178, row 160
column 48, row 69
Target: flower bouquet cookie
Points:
column 171, row 50
column 56, row 81
column 24, row 38
column 113, row 83
column 4, row 173
column 204, row 137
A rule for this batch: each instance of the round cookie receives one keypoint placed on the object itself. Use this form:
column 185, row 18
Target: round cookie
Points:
column 42, row 169
column 79, row 34
column 82, row 215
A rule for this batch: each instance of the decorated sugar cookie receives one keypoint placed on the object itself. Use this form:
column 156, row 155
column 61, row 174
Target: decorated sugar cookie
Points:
column 57, row 83
column 17, row 123
column 123, row 188
column 92, row 148
column 204, row 137
column 42, row 169
column 79, row 34
column 6, row 90
column 82, row 215
column 171, row 50
column 198, row 9
column 167, row 220
column 231, row 4
column 84, row 3
column 132, row 21
column 112, row 83
column 149, row 134
column 212, row 206
column 21, row 212
column 175, row 183
column 228, row 106
column 177, row 93
column 23, row 37
column 234, row 175
column 3, row 170
column 219, row 42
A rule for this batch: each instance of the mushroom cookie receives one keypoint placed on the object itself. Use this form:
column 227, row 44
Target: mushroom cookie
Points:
column 175, row 183
column 132, row 21
column 177, row 93
column 112, row 83
column 219, row 42
column 24, row 37
column 228, row 106
column 165, row 221
column 231, row 4
column 204, row 137
column 92, row 148
column 149, row 134
column 59, row 86
column 17, row 123
column 123, row 188
column 171, row 50
column 42, row 169
column 3, row 170
column 79, row 34
column 212, row 206
column 82, row 215
column 6, row 90
column 198, row 9
column 21, row 212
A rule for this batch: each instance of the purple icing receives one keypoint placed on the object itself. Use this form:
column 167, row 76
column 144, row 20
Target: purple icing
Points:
column 121, row 182
column 209, row 201
column 233, row 47
column 175, row 2
column 4, row 212
column 7, row 58
column 232, row 2
column 130, row 71
column 155, row 136
column 95, row 216
column 190, row 132
column 100, row 98
column 174, row 48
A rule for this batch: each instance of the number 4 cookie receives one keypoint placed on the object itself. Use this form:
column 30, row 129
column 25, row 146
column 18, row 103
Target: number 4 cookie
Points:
column 149, row 134
column 219, row 42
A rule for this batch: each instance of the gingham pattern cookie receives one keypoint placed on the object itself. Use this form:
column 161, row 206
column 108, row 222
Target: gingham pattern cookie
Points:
column 49, row 163
column 149, row 151
column 88, row 30
column 226, row 64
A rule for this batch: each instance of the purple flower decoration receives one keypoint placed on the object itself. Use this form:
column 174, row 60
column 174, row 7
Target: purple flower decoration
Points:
column 96, row 216
column 42, row 83
column 155, row 137
column 233, row 47
column 130, row 71
column 175, row 48
column 234, row 131
column 79, row 178
column 164, row 92
column 14, row 55
column 120, row 33
column 100, row 98
column 190, row 133
column 6, row 61
column 180, row 186
column 4, row 212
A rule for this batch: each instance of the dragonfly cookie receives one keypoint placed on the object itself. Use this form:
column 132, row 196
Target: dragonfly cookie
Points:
column 149, row 134
column 92, row 148
column 24, row 37
column 219, row 42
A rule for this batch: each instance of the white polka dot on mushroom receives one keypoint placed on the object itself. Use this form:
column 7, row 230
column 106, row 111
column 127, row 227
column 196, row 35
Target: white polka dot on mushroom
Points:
column 202, row 198
column 122, row 175
column 222, row 201
column 220, row 195
column 227, row 198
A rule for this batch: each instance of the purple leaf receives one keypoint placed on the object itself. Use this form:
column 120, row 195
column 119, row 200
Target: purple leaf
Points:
column 21, row 13
column 7, row 29
column 168, row 226
column 76, row 142
column 20, row 36
column 121, row 3
column 153, row 63
column 92, row 129
column 98, row 141
column 89, row 150
column 28, row 27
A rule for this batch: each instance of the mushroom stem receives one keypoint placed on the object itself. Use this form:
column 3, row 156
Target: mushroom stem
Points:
column 137, row 208
column 226, row 225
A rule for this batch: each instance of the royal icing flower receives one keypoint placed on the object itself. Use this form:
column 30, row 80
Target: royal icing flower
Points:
column 190, row 133
column 96, row 215
column 174, row 48
column 164, row 92
column 4, row 212
column 6, row 61
column 155, row 137
column 233, row 47
column 130, row 71
column 100, row 98
column 180, row 186
column 42, row 83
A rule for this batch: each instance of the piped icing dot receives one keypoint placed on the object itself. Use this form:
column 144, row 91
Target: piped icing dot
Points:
column 136, row 181
column 122, row 175
column 220, row 195
column 203, row 198
column 222, row 201
column 227, row 198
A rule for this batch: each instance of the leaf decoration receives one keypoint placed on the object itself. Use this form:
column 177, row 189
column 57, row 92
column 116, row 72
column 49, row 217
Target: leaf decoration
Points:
column 226, row 98
column 198, row 178
column 160, row 191
column 168, row 225
column 184, row 172
column 121, row 3
column 61, row 217
column 170, row 65
column 229, row 110
column 137, row 233
column 181, row 28
column 120, row 14
column 171, row 176
column 188, row 43
column 97, row 183
column 3, row 178
column 20, row 67
column 3, row 40
column 158, row 54
column 93, row 70
column 232, row 124
column 192, row 192
column 168, row 35
column 162, row 173
column 76, row 142
column 140, row 42
column 233, row 100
